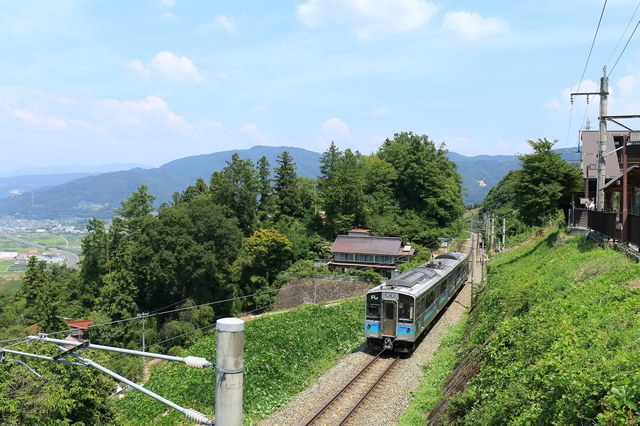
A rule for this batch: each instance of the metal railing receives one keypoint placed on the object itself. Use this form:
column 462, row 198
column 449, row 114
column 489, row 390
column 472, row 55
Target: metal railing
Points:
column 605, row 223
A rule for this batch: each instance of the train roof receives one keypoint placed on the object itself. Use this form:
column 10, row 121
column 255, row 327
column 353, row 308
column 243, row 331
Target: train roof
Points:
column 417, row 279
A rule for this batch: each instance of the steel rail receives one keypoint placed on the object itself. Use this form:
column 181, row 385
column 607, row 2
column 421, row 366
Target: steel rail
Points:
column 324, row 408
column 363, row 397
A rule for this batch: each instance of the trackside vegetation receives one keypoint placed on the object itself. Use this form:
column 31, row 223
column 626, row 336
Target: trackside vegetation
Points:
column 283, row 354
column 555, row 335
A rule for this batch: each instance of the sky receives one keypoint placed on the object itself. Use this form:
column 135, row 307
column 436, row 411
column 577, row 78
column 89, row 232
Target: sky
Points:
column 95, row 82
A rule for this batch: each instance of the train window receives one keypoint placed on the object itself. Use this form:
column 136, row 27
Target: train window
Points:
column 373, row 306
column 389, row 311
column 430, row 299
column 405, row 308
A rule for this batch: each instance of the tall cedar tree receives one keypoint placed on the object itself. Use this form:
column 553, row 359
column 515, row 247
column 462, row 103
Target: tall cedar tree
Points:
column 286, row 186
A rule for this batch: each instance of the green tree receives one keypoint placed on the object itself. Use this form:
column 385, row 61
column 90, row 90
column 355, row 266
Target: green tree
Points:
column 64, row 395
column 545, row 183
column 264, row 255
column 192, row 191
column 137, row 205
column 44, row 292
column 264, row 183
column 427, row 182
column 236, row 187
column 500, row 198
column 287, row 187
column 193, row 245
column 94, row 263
column 270, row 252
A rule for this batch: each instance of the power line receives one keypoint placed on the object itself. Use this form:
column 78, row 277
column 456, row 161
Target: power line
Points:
column 593, row 42
column 623, row 33
column 625, row 47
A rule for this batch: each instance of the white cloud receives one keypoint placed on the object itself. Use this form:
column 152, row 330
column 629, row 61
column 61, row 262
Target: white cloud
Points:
column 337, row 128
column 225, row 22
column 255, row 133
column 167, row 3
column 368, row 19
column 258, row 108
column 170, row 67
column 170, row 16
column 471, row 26
column 151, row 113
column 380, row 111
column 37, row 119
column 32, row 116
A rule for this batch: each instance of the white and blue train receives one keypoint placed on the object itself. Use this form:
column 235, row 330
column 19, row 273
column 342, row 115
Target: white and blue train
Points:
column 398, row 311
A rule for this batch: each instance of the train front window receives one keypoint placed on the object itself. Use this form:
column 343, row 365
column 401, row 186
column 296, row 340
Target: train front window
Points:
column 389, row 311
column 373, row 306
column 405, row 308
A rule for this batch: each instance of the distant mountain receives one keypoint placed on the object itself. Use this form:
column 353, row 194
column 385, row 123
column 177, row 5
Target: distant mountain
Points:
column 32, row 178
column 69, row 170
column 97, row 195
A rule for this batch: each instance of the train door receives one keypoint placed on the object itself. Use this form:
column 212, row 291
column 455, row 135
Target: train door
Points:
column 389, row 317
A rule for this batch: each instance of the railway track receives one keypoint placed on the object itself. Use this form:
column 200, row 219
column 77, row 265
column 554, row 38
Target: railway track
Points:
column 345, row 402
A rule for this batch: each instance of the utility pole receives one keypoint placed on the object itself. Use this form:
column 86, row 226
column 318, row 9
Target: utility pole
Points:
column 474, row 243
column 504, row 233
column 602, row 145
column 229, row 371
column 144, row 347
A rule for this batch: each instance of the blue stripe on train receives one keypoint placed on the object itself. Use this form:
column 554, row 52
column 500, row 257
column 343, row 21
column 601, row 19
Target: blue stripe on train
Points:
column 372, row 326
column 404, row 329
column 428, row 313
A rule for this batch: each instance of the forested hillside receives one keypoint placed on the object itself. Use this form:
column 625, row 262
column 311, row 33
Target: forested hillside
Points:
column 554, row 337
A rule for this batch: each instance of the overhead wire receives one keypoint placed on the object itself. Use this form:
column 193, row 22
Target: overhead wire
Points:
column 625, row 46
column 623, row 34
column 22, row 340
column 593, row 42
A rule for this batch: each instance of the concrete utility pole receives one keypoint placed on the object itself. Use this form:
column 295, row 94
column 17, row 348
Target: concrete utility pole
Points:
column 229, row 371
column 602, row 145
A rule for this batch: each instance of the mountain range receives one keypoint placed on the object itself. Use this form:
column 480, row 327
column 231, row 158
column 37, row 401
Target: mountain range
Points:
column 93, row 194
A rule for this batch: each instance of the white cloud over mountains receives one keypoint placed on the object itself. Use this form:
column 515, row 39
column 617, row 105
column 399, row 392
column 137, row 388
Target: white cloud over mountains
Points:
column 146, row 114
column 336, row 128
column 368, row 19
column 170, row 67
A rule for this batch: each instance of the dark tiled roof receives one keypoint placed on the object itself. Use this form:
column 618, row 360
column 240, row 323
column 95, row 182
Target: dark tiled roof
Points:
column 389, row 246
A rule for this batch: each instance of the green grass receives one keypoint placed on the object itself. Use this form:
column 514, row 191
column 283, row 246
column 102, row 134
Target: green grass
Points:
column 557, row 329
column 435, row 373
column 283, row 354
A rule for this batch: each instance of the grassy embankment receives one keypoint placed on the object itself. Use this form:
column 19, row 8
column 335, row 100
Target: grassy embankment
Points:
column 283, row 354
column 556, row 336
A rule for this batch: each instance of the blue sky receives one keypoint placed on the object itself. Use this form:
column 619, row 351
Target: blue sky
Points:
column 94, row 81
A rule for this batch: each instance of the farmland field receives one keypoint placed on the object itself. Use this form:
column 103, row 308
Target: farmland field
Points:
column 12, row 269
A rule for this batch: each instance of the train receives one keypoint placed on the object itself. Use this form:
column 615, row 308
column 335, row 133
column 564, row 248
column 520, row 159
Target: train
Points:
column 399, row 311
